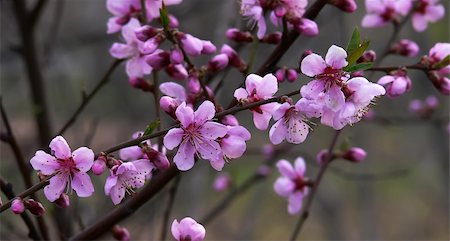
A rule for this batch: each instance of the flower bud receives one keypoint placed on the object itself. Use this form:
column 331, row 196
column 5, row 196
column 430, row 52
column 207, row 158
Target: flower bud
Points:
column 169, row 105
column 432, row 102
column 307, row 27
column 152, row 44
column 234, row 59
column 192, row 45
column 99, row 165
column 273, row 38
column 291, row 75
column 415, row 106
column 306, row 53
column 177, row 71
column 238, row 36
column 222, row 182
column 158, row 60
column 176, row 56
column 280, row 11
column 263, row 170
column 405, row 47
column 193, row 85
column 355, row 154
column 229, row 120
column 348, row 6
column 34, row 207
column 121, row 233
column 322, row 156
column 218, row 62
column 145, row 33
column 368, row 56
column 157, row 158
column 280, row 74
column 268, row 151
column 63, row 201
column 173, row 21
column 17, row 206
column 208, row 47
column 140, row 83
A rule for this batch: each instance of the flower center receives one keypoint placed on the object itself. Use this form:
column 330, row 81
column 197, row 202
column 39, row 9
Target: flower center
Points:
column 68, row 165
column 422, row 8
column 388, row 14
column 333, row 75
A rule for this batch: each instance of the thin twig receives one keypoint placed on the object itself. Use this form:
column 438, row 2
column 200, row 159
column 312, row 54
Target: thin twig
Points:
column 33, row 18
column 323, row 168
column 172, row 194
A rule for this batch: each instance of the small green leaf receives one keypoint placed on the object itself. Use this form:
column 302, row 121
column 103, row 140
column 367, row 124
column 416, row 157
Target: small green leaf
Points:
column 354, row 40
column 357, row 52
column 444, row 62
column 360, row 66
column 151, row 127
column 164, row 16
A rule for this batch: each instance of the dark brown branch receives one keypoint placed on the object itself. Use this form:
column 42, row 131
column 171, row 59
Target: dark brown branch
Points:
column 7, row 189
column 305, row 213
column 89, row 97
column 37, row 12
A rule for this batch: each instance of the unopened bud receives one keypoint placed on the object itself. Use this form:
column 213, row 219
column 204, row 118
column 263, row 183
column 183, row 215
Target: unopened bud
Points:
column 99, row 165
column 348, row 6
column 157, row 158
column 176, row 56
column 291, row 75
column 322, row 157
column 273, row 38
column 17, row 206
column 140, row 83
column 263, row 170
column 173, row 21
column 229, row 120
column 34, row 207
column 234, row 59
column 268, row 151
column 307, row 27
column 218, row 62
column 145, row 33
column 152, row 44
column 158, row 59
column 177, row 71
column 208, row 47
column 238, row 36
column 355, row 154
column 280, row 74
column 121, row 233
column 222, row 182
column 306, row 53
column 169, row 105
column 63, row 201
column 405, row 47
column 280, row 11
column 368, row 56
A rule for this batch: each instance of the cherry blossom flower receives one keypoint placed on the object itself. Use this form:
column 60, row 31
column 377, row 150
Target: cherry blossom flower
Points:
column 68, row 168
column 253, row 10
column 427, row 11
column 439, row 77
column 232, row 145
column 188, row 229
column 197, row 134
column 17, row 206
column 292, row 184
column 380, row 12
column 153, row 7
column 290, row 125
column 136, row 65
column 123, row 11
column 126, row 177
column 405, row 47
column 258, row 88
column 396, row 84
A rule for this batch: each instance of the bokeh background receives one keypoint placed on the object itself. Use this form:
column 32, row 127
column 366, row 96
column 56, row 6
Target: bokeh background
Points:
column 400, row 192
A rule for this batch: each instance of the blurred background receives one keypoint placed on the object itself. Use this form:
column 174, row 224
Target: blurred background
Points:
column 400, row 192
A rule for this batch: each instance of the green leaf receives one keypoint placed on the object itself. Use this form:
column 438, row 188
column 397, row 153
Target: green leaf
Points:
column 151, row 127
column 354, row 41
column 360, row 66
column 357, row 52
column 164, row 16
column 444, row 62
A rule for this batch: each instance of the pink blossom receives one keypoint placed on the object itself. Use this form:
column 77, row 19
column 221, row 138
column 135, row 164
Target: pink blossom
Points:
column 427, row 11
column 396, row 84
column 380, row 12
column 405, row 47
column 345, row 5
column 35, row 207
column 136, row 65
column 67, row 167
column 355, row 154
column 153, row 7
column 218, row 62
column 222, row 182
column 123, row 11
column 256, row 89
column 232, row 145
column 233, row 57
column 126, row 177
column 292, row 184
column 290, row 125
column 188, row 229
column 121, row 233
column 63, row 201
column 307, row 27
column 439, row 77
column 253, row 10
column 198, row 134
column 17, row 206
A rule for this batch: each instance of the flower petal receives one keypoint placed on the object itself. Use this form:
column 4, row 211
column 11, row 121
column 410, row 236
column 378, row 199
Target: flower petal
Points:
column 44, row 163
column 284, row 186
column 60, row 148
column 117, row 193
column 204, row 112
column 121, row 51
column 300, row 166
column 267, row 87
column 111, row 181
column 173, row 90
column 82, row 184
column 297, row 131
column 278, row 132
column 57, row 184
column 240, row 94
column 185, row 114
column 173, row 138
column 336, row 57
column 213, row 130
column 184, row 159
column 372, row 20
column 83, row 158
column 286, row 169
column 261, row 120
column 313, row 65
column 131, row 153
column 295, row 203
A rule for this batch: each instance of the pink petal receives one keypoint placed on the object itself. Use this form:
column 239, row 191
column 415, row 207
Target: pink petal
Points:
column 125, row 168
column 261, row 27
column 373, row 20
column 189, row 227
column 137, row 67
column 173, row 138
column 213, row 130
column 121, row 51
column 267, row 87
column 57, row 184
column 113, row 26
column 336, row 57
column 83, row 158
column 184, row 159
column 131, row 153
column 335, row 99
column 300, row 166
column 175, row 229
column 117, row 193
column 297, row 131
column 60, row 148
column 312, row 89
column 280, row 110
column 82, row 184
column 261, row 120
column 173, row 90
column 286, row 169
column 204, row 112
column 434, row 13
column 128, row 31
column 403, row 7
column 313, row 65
column 185, row 115
column 233, row 146
column 217, row 164
column 44, row 163
column 295, row 203
column 310, row 108
column 386, row 80
column 419, row 22
column 208, row 149
column 374, row 6
column 144, row 167
column 239, row 131
column 284, row 186
column 240, row 94
column 251, row 82
column 278, row 132
column 111, row 181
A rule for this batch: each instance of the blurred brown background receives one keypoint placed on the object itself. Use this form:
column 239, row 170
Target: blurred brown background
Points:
column 401, row 192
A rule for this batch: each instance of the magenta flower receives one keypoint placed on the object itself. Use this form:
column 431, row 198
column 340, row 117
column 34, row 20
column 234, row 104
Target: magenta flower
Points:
column 256, row 89
column 188, row 230
column 136, row 65
column 439, row 77
column 67, row 167
column 292, row 184
column 380, row 12
column 405, row 47
column 17, row 206
column 123, row 11
column 232, row 145
column 126, row 177
column 153, row 7
column 428, row 11
column 253, row 10
column 198, row 134
column 290, row 125
column 396, row 84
